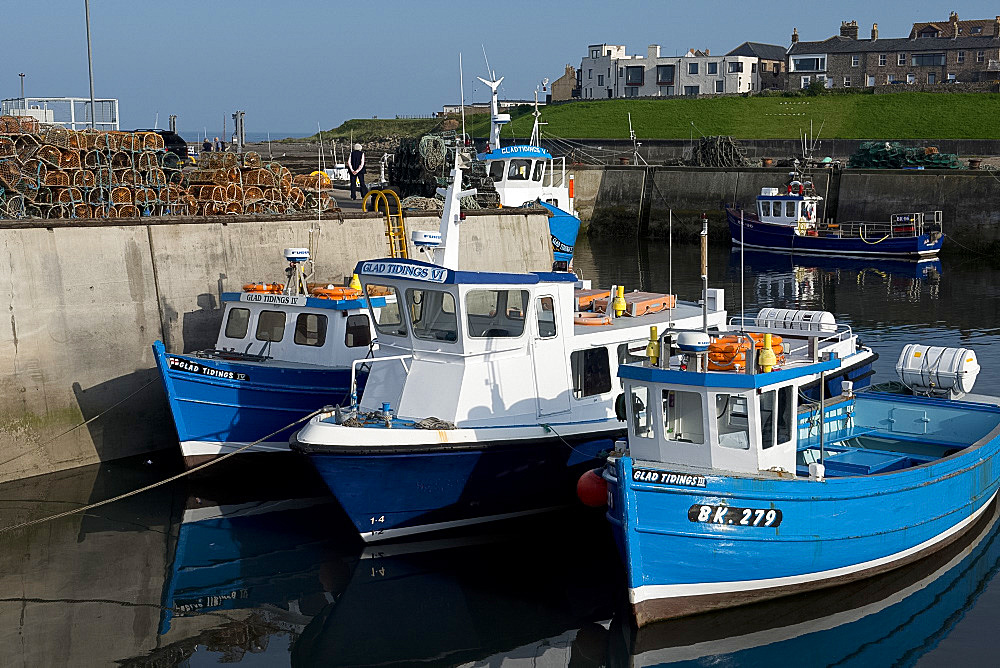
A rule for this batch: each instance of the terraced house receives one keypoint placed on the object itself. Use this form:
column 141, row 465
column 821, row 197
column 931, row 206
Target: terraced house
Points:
column 933, row 53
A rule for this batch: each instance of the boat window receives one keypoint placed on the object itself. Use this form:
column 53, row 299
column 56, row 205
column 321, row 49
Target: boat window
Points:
column 519, row 170
column 785, row 396
column 765, row 208
column 496, row 313
column 789, row 209
column 591, row 372
column 642, row 415
column 496, row 170
column 767, row 419
column 683, row 419
column 546, row 314
column 310, row 329
column 271, row 326
column 358, row 332
column 237, row 323
column 432, row 313
column 388, row 319
column 732, row 420
column 539, row 168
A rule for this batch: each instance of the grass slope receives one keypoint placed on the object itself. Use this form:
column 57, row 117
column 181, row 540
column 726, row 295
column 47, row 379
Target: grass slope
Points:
column 365, row 129
column 852, row 116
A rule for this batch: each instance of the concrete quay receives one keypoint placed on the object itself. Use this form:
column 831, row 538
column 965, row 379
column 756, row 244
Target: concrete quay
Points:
column 85, row 299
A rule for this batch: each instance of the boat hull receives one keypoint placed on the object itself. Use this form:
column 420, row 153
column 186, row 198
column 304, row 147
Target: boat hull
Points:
column 390, row 492
column 221, row 405
column 685, row 553
column 563, row 228
column 758, row 234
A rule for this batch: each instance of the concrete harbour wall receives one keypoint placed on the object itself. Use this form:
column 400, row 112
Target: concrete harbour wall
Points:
column 85, row 301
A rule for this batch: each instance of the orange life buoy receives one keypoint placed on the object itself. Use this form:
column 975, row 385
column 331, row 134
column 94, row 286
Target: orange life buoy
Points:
column 336, row 292
column 730, row 352
column 267, row 288
column 592, row 319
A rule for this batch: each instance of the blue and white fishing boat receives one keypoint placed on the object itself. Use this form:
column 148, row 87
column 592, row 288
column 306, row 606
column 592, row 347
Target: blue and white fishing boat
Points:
column 792, row 220
column 490, row 393
column 527, row 174
column 734, row 489
column 283, row 350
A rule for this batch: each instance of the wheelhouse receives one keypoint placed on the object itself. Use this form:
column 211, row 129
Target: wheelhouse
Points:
column 526, row 173
column 787, row 209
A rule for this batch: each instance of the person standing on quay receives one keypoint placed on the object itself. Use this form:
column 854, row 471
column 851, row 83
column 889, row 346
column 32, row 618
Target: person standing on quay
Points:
column 356, row 165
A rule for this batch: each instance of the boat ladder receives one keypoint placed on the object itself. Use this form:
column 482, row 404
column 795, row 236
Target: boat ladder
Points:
column 395, row 226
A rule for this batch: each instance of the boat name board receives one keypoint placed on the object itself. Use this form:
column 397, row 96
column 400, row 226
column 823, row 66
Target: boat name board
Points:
column 745, row 517
column 181, row 364
column 264, row 298
column 560, row 246
column 399, row 270
column 668, row 478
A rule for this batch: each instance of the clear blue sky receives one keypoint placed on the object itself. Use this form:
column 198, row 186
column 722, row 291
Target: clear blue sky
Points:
column 290, row 64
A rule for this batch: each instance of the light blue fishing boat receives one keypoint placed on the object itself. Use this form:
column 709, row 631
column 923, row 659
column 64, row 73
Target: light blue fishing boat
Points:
column 734, row 488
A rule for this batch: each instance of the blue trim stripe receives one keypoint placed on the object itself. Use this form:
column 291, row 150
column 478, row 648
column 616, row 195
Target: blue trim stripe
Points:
column 722, row 378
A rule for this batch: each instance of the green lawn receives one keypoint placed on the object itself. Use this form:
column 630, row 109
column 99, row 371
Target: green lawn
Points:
column 851, row 116
column 365, row 129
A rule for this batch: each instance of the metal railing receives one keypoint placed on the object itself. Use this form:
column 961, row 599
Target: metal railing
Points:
column 900, row 225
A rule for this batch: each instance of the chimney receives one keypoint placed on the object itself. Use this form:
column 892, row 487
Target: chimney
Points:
column 954, row 27
column 653, row 51
column 874, row 31
column 996, row 28
column 849, row 30
column 795, row 35
column 953, row 17
column 708, row 52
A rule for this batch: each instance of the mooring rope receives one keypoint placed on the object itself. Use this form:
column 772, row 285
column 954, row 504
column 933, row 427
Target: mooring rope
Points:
column 200, row 467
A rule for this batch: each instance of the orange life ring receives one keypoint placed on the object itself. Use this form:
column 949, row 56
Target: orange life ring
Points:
column 336, row 292
column 592, row 319
column 267, row 288
column 730, row 352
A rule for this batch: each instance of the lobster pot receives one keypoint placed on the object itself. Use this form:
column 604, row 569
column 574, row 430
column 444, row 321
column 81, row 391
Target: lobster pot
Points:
column 787, row 318
column 937, row 371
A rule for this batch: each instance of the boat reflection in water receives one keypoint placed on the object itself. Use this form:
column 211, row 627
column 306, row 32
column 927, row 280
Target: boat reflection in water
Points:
column 891, row 619
column 784, row 278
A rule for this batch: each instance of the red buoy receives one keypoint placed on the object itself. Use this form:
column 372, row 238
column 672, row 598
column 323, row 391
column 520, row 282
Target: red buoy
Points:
column 592, row 489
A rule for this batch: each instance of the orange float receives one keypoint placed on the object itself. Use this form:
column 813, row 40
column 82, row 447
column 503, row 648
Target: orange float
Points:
column 267, row 288
column 727, row 353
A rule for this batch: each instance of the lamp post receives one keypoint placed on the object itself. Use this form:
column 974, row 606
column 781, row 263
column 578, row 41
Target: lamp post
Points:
column 24, row 103
column 90, row 67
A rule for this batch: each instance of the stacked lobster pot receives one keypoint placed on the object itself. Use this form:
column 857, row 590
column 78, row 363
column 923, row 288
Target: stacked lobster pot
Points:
column 51, row 172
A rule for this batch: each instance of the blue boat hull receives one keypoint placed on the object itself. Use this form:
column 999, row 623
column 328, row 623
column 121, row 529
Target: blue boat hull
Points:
column 415, row 490
column 683, row 555
column 757, row 234
column 220, row 405
column 564, row 228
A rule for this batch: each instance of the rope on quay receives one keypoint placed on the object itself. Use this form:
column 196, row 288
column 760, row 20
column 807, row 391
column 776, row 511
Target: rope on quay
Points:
column 200, row 467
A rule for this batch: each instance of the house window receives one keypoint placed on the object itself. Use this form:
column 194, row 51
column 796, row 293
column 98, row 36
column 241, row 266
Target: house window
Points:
column 590, row 74
column 855, row 61
column 980, row 56
column 720, row 86
column 271, row 326
column 358, row 331
column 881, row 60
column 600, row 79
column 546, row 315
column 713, row 68
column 634, row 75
column 631, row 91
column 237, row 323
column 432, row 313
column 595, row 53
column 664, row 75
column 847, row 82
column 910, row 78
column 692, row 68
column 692, row 90
column 871, row 80
column 892, row 79
column 901, row 59
column 621, row 71
column 931, row 77
column 591, row 369
column 496, row 313
column 310, row 329
column 683, row 419
column 666, row 90
column 753, row 68
column 951, row 77
column 777, row 68
column 805, row 82
column 810, row 64
column 976, row 30
column 925, row 59
column 735, row 67
column 961, row 56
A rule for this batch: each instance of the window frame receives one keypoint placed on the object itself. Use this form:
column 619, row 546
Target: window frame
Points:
column 735, row 67
column 901, row 60
column 882, row 60
column 720, row 85
column 229, row 322
column 855, row 60
column 349, row 326
column 585, row 390
column 539, row 309
column 321, row 331
column 660, row 81
column 469, row 312
column 432, row 334
column 517, row 163
column 630, row 71
column 713, row 67
column 693, row 68
column 399, row 328
column 260, row 320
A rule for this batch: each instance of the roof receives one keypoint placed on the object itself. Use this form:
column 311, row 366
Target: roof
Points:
column 838, row 44
column 964, row 27
column 726, row 379
column 759, row 50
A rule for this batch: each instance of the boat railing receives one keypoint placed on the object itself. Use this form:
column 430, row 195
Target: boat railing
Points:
column 822, row 334
column 900, row 225
column 371, row 360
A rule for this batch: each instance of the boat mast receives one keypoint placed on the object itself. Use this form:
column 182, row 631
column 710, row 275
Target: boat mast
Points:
column 497, row 120
column 445, row 254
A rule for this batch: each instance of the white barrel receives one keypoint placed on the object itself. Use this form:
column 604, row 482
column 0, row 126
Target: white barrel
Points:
column 787, row 318
column 937, row 371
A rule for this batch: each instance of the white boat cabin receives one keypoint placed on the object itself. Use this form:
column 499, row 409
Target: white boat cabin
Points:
column 798, row 207
column 527, row 173
column 297, row 328
column 490, row 349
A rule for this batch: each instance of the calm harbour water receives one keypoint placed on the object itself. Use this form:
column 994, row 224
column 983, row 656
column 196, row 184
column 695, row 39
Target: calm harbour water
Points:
column 261, row 572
